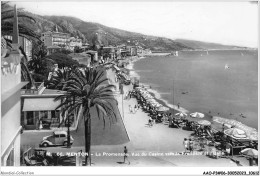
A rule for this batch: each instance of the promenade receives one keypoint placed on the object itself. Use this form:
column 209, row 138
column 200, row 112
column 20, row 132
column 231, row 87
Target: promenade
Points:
column 158, row 146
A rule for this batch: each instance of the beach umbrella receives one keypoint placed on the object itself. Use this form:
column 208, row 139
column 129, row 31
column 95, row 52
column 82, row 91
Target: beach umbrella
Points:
column 156, row 105
column 236, row 133
column 162, row 109
column 138, row 88
column 253, row 136
column 250, row 152
column 152, row 101
column 148, row 96
column 204, row 122
column 181, row 114
column 197, row 115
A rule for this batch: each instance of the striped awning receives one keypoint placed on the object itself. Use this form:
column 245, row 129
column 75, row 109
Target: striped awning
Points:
column 40, row 104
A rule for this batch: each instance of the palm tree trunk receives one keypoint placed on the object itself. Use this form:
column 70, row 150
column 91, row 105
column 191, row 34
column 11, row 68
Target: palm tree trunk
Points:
column 88, row 139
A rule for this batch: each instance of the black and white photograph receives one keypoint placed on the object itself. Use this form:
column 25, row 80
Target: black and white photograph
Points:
column 166, row 87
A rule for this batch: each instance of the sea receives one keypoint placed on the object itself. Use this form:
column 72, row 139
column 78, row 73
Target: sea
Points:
column 219, row 82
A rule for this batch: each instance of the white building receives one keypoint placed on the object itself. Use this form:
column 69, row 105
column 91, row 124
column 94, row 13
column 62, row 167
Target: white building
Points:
column 75, row 42
column 10, row 101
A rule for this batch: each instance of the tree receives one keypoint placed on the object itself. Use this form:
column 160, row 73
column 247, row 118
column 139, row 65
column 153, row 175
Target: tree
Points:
column 63, row 60
column 76, row 49
column 59, row 81
column 40, row 65
column 88, row 89
column 7, row 14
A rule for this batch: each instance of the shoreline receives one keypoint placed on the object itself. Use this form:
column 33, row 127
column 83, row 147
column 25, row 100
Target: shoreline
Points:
column 157, row 95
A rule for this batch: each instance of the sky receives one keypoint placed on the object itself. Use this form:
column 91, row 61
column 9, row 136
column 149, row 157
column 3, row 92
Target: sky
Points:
column 231, row 23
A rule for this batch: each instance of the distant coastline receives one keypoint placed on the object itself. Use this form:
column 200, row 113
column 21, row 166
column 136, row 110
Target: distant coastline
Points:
column 163, row 53
column 228, row 49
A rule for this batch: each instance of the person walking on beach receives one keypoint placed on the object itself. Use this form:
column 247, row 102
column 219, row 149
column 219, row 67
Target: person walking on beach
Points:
column 186, row 145
column 223, row 127
column 126, row 155
column 170, row 120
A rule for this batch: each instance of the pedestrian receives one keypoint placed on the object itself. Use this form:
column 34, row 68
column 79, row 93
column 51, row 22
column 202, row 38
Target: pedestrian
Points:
column 126, row 155
column 130, row 109
column 150, row 122
column 190, row 145
column 170, row 120
column 186, row 145
column 228, row 149
column 40, row 125
column 223, row 127
column 178, row 105
column 135, row 108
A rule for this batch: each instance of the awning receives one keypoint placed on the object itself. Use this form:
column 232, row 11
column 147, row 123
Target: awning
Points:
column 40, row 104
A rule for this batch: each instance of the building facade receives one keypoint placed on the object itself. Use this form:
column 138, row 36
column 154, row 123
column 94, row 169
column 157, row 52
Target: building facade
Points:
column 39, row 109
column 56, row 39
column 75, row 42
column 10, row 100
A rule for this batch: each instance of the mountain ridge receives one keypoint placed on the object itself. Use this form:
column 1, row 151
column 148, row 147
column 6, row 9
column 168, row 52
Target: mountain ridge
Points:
column 98, row 34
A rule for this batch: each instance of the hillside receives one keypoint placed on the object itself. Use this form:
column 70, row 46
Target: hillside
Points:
column 205, row 45
column 98, row 34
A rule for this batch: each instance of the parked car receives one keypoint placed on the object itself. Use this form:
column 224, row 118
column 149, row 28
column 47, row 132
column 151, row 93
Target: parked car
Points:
column 57, row 138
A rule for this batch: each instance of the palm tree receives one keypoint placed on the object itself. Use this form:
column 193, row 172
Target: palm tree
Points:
column 59, row 81
column 7, row 14
column 87, row 89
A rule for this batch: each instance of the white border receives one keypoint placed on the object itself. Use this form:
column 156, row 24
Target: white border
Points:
column 130, row 170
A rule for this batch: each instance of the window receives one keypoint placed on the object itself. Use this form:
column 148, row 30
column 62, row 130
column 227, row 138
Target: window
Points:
column 62, row 135
column 55, row 114
column 30, row 118
column 43, row 114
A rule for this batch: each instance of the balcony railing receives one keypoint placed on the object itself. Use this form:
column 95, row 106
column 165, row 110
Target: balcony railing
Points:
column 36, row 91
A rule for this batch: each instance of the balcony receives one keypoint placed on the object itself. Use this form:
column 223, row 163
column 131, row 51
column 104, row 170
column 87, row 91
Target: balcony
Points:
column 38, row 90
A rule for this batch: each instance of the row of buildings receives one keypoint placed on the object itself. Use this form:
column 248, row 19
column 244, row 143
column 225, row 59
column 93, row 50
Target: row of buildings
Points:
column 56, row 41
